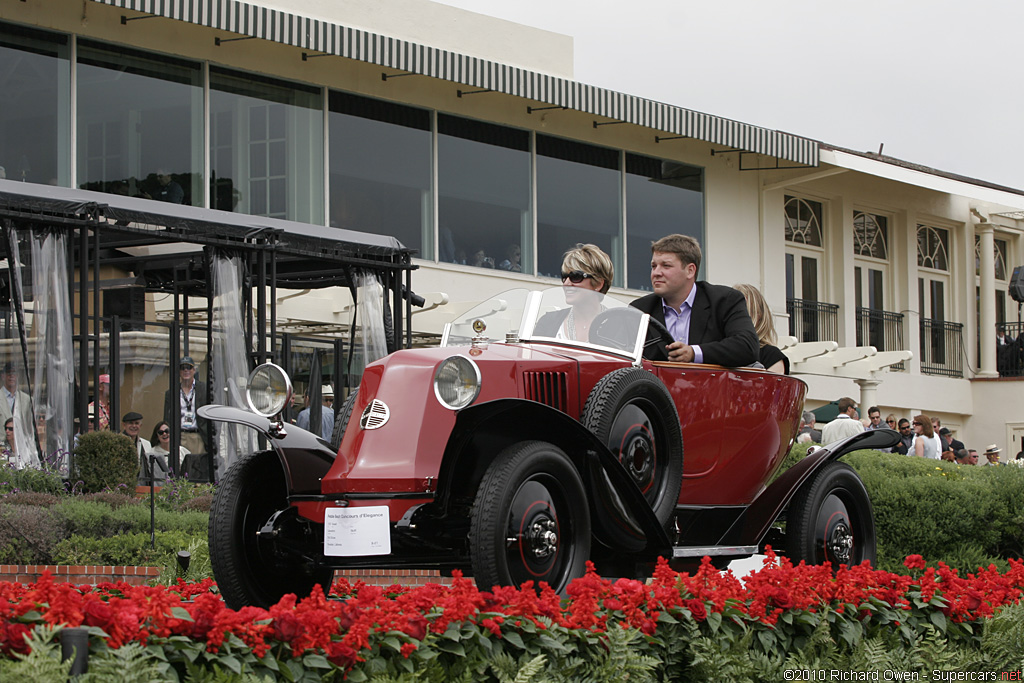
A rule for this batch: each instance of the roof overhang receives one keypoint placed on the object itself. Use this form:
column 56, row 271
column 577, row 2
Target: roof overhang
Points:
column 999, row 200
column 325, row 37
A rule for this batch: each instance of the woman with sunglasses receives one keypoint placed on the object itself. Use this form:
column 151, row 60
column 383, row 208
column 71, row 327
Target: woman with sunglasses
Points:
column 161, row 441
column 7, row 448
column 587, row 274
column 926, row 442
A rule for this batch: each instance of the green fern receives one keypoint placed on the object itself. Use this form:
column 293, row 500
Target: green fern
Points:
column 42, row 665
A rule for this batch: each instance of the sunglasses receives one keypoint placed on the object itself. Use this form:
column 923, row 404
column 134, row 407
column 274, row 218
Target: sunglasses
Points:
column 8, row 429
column 892, row 422
column 576, row 276
column 919, row 424
column 163, row 431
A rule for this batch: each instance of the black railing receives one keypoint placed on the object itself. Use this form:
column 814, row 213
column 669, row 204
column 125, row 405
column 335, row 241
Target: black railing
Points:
column 942, row 348
column 813, row 320
column 881, row 329
column 1010, row 351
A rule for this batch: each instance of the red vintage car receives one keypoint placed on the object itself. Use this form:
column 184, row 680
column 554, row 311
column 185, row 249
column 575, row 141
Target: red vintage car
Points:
column 516, row 453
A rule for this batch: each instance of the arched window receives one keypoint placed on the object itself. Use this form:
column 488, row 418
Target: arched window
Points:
column 803, row 221
column 870, row 235
column 932, row 248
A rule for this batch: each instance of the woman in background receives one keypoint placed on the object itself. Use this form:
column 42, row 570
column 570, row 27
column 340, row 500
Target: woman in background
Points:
column 926, row 442
column 771, row 357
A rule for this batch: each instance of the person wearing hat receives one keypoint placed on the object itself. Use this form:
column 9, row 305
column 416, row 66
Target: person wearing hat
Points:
column 327, row 417
column 992, row 455
column 13, row 401
column 948, row 442
column 131, row 425
column 102, row 403
column 191, row 395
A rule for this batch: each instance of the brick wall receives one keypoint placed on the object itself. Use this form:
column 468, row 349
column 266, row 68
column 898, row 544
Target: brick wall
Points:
column 81, row 574
column 139, row 576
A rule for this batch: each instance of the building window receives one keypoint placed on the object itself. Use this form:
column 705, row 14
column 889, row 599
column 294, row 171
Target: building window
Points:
column 999, row 252
column 140, row 124
column 578, row 191
column 381, row 169
column 870, row 235
column 35, row 129
column 932, row 248
column 662, row 197
column 483, row 185
column 803, row 221
column 266, row 147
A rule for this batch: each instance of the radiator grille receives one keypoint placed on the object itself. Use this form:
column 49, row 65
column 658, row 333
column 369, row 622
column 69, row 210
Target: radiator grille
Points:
column 549, row 388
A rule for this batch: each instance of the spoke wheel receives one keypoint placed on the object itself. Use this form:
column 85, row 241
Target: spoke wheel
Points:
column 831, row 520
column 632, row 413
column 530, row 519
column 253, row 568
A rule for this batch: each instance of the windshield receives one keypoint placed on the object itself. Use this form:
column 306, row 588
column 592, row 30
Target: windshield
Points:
column 572, row 316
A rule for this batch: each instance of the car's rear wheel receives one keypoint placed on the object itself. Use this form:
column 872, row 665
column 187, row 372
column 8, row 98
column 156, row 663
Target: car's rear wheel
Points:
column 831, row 520
column 632, row 413
column 341, row 419
column 530, row 519
column 253, row 568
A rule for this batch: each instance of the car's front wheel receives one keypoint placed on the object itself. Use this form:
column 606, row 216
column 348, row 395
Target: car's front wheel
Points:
column 530, row 519
column 831, row 520
column 254, row 568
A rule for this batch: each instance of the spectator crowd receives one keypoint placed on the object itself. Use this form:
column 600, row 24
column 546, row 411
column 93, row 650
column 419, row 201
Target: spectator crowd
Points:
column 920, row 435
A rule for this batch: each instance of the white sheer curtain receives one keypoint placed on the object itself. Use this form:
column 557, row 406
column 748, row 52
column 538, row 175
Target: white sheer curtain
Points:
column 54, row 374
column 228, row 360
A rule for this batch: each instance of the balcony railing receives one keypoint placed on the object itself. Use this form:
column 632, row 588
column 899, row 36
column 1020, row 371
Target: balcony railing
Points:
column 813, row 320
column 1010, row 356
column 881, row 329
column 942, row 348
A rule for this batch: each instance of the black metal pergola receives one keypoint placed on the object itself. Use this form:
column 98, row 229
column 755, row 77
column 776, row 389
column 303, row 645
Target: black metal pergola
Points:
column 102, row 229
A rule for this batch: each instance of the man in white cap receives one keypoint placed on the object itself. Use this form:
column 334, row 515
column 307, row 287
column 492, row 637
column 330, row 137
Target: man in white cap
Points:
column 183, row 407
column 326, row 419
column 992, row 455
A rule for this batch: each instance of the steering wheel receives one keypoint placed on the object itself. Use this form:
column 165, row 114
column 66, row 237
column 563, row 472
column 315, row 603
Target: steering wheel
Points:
column 661, row 334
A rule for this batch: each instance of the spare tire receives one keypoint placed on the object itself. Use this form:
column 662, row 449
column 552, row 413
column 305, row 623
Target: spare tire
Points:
column 631, row 411
column 341, row 419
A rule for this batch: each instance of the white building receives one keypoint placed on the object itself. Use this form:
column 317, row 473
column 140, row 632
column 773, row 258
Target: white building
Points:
column 460, row 134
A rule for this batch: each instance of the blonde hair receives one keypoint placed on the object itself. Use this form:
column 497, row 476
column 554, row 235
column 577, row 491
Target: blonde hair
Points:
column 591, row 260
column 760, row 313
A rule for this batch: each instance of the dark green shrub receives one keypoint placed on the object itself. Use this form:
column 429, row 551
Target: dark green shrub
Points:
column 41, row 481
column 125, row 549
column 28, row 534
column 31, row 498
column 197, row 504
column 962, row 515
column 105, row 460
column 114, row 499
column 96, row 519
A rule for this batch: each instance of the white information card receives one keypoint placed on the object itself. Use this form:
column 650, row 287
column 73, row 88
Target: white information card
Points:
column 357, row 531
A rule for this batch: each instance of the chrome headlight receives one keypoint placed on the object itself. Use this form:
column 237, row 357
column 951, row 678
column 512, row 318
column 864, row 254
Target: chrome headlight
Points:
column 456, row 382
column 269, row 390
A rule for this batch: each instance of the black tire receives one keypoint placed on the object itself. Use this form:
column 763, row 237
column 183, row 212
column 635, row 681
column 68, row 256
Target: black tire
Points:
column 632, row 413
column 831, row 520
column 250, row 570
column 530, row 520
column 341, row 419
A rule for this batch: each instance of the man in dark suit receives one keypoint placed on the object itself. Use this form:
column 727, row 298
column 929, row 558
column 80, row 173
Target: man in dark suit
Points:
column 710, row 323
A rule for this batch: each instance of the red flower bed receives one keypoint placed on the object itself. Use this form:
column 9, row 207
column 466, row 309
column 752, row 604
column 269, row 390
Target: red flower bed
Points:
column 358, row 624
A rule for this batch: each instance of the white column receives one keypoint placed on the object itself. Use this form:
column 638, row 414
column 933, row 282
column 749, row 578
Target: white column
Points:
column 987, row 294
column 868, row 394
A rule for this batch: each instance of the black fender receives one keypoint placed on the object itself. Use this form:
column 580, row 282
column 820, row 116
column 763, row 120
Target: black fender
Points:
column 752, row 525
column 305, row 457
column 621, row 518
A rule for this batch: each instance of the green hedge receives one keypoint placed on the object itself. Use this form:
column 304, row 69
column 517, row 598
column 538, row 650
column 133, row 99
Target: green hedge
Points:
column 965, row 516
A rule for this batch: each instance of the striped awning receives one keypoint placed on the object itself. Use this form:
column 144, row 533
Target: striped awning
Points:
column 248, row 19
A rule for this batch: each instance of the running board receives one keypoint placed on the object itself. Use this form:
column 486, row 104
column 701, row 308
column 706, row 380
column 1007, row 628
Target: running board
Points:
column 714, row 550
